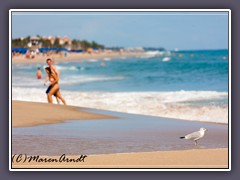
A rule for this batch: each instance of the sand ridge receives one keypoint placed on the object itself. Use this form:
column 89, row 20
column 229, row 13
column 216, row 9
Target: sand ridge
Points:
column 32, row 113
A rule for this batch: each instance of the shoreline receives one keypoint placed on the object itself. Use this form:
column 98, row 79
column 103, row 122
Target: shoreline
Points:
column 25, row 114
column 74, row 57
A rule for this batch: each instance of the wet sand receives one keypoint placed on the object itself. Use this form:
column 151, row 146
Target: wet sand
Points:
column 127, row 133
column 112, row 140
column 71, row 57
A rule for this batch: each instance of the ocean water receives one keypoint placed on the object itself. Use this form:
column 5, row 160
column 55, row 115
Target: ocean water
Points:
column 191, row 85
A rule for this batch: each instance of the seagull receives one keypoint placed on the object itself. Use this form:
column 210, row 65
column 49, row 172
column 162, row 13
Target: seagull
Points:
column 195, row 135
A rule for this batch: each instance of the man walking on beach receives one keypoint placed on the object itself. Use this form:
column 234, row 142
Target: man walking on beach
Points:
column 56, row 72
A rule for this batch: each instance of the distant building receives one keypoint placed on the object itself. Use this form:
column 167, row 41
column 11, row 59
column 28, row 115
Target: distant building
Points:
column 34, row 46
column 50, row 38
column 34, row 42
column 64, row 42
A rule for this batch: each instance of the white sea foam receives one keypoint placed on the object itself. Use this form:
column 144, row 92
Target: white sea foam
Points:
column 150, row 54
column 73, row 68
column 27, row 81
column 164, row 104
column 92, row 60
column 166, row 59
column 84, row 79
column 107, row 59
column 31, row 81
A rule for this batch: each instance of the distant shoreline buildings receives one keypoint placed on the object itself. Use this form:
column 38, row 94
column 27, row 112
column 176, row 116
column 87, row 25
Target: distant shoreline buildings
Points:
column 34, row 45
column 54, row 42
column 68, row 43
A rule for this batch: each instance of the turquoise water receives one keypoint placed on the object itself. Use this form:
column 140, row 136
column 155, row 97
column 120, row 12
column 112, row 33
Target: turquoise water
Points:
column 186, row 70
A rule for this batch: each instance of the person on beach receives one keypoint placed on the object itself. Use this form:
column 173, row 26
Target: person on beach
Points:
column 49, row 62
column 53, row 88
column 39, row 73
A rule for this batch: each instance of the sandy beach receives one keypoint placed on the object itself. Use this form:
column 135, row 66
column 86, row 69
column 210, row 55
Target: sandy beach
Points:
column 72, row 57
column 211, row 158
column 32, row 114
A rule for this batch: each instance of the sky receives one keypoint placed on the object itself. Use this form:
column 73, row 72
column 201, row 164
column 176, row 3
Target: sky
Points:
column 170, row 30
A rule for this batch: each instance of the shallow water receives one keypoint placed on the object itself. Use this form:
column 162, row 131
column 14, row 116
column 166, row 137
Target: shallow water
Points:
column 128, row 133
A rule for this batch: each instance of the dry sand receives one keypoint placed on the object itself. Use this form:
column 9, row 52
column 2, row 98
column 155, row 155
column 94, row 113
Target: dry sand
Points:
column 199, row 158
column 71, row 57
column 30, row 114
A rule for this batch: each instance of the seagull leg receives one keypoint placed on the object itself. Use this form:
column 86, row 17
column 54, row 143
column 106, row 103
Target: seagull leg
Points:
column 196, row 143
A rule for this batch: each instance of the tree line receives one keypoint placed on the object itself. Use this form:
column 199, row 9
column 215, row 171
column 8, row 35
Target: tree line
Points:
column 75, row 45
